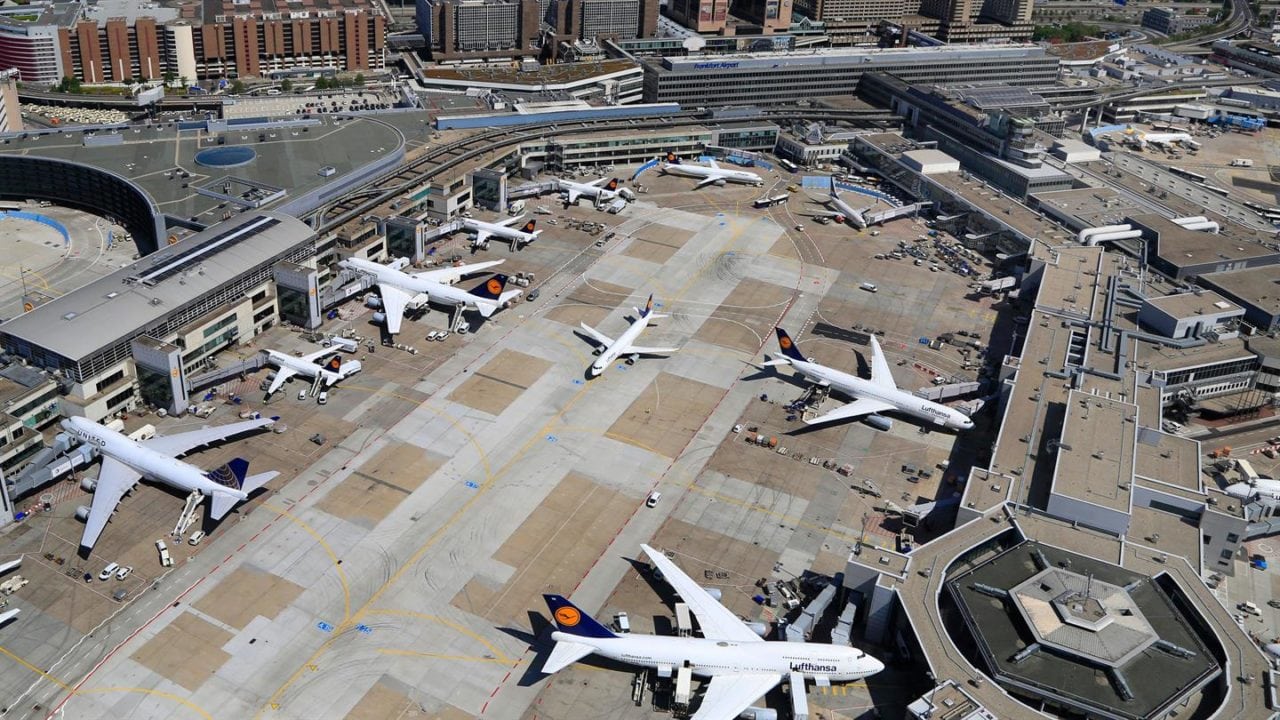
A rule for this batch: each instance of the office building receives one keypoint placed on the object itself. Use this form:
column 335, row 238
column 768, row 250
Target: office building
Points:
column 858, row 21
column 10, row 107
column 462, row 30
column 30, row 40
column 772, row 78
column 703, row 16
column 771, row 16
column 1171, row 22
column 594, row 20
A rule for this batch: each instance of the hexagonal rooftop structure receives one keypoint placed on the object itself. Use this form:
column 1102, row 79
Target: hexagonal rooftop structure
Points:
column 1069, row 612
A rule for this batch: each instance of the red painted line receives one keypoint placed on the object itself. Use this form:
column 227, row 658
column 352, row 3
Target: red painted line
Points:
column 495, row 690
column 484, row 707
column 504, row 679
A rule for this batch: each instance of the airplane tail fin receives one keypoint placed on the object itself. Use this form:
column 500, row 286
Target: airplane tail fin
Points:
column 788, row 346
column 648, row 308
column 490, row 289
column 334, row 363
column 232, row 476
column 564, row 654
column 612, row 184
column 573, row 621
column 529, row 226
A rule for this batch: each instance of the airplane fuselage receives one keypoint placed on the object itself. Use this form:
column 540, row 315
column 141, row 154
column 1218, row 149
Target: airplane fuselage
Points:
column 306, row 369
column 903, row 402
column 595, row 192
column 615, row 349
column 851, row 216
column 1262, row 489
column 708, row 658
column 148, row 463
column 511, row 234
column 436, row 292
column 702, row 173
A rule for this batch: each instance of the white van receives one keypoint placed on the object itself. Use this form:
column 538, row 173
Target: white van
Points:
column 165, row 560
column 323, row 397
column 869, row 287
column 108, row 571
column 196, row 537
column 622, row 623
column 654, row 497
column 302, row 394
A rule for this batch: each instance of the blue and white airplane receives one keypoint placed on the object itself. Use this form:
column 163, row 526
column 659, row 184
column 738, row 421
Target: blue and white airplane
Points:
column 708, row 174
column 125, row 461
column 741, row 666
column 871, row 397
column 398, row 288
column 609, row 349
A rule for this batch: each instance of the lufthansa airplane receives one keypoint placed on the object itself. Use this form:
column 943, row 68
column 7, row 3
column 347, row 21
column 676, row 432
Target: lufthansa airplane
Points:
column 518, row 237
column 871, row 397
column 398, row 288
column 741, row 666
column 287, row 366
column 842, row 209
column 598, row 190
column 126, row 461
column 610, row 349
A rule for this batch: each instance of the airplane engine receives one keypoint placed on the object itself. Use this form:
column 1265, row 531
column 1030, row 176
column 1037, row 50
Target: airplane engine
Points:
column 398, row 263
column 379, row 318
column 879, row 422
column 758, row 713
column 632, row 359
column 82, row 513
column 597, row 351
column 759, row 628
column 88, row 484
column 714, row 593
column 373, row 301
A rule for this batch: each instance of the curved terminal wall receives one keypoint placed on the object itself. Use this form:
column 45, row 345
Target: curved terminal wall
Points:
column 86, row 188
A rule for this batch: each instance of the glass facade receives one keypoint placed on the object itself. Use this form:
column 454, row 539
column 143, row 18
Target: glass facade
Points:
column 402, row 234
column 294, row 306
column 156, row 389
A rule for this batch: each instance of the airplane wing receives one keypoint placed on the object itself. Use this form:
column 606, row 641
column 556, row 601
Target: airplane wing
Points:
column 855, row 409
column 712, row 162
column 394, row 302
column 450, row 275
column 707, row 181
column 282, row 376
column 727, row 696
column 481, row 236
column 880, row 373
column 314, row 356
column 573, row 195
column 512, row 221
column 716, row 620
column 9, row 615
column 114, row 480
column 596, row 335
column 183, row 443
column 643, row 350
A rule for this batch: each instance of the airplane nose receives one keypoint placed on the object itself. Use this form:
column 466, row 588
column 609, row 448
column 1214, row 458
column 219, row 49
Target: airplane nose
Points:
column 875, row 665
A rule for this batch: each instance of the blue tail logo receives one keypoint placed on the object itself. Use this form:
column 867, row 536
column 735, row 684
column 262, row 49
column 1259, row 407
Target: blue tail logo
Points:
column 491, row 289
column 230, row 475
column 648, row 307
column 569, row 619
column 788, row 346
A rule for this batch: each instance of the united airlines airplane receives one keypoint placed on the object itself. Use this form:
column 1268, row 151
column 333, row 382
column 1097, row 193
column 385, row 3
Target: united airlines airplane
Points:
column 877, row 395
column 741, row 665
column 710, row 173
column 125, row 461
column 610, row 349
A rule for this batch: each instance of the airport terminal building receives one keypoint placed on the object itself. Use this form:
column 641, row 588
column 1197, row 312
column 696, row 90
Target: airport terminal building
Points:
column 773, row 78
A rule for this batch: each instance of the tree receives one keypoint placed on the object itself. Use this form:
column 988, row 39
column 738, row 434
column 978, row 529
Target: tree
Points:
column 169, row 77
column 322, row 83
column 359, row 81
column 69, row 85
column 286, row 85
column 237, row 88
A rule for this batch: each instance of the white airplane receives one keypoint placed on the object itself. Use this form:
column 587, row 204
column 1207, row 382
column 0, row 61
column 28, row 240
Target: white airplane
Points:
column 842, row 209
column 326, row 375
column 708, row 174
column 125, row 461
column 741, row 665
column 871, row 397
column 610, row 349
column 398, row 288
column 484, row 230
column 1263, row 488
column 598, row 190
column 5, row 568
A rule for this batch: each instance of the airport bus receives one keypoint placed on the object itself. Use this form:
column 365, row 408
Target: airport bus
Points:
column 1217, row 190
column 1196, row 177
column 788, row 165
column 765, row 202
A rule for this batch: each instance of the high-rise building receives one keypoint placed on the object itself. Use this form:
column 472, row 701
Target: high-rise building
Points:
column 704, row 16
column 10, row 112
column 479, row 29
column 771, row 15
column 594, row 19
column 853, row 21
column 29, row 40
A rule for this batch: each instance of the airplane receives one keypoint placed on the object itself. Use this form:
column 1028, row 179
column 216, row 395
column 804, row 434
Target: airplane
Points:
column 740, row 664
column 610, row 349
column 326, row 375
column 5, row 568
column 398, row 288
column 708, row 174
column 1262, row 488
column 504, row 230
column 125, row 461
column 840, row 208
column 871, row 397
column 595, row 190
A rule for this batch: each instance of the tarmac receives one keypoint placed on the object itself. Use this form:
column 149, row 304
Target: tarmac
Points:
column 396, row 569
